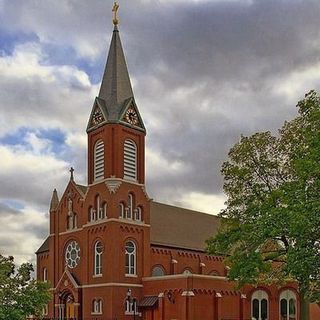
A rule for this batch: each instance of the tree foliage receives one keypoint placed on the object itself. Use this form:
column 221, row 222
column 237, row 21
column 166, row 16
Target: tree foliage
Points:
column 20, row 295
column 270, row 228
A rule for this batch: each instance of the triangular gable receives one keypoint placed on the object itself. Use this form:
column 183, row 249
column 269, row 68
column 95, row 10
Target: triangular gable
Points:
column 69, row 277
column 74, row 187
column 131, row 116
column 98, row 114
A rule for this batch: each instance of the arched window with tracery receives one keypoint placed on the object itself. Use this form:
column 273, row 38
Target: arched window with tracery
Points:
column 158, row 271
column 288, row 305
column 259, row 305
column 96, row 306
column 131, row 258
column 98, row 249
column 98, row 160
column 130, row 160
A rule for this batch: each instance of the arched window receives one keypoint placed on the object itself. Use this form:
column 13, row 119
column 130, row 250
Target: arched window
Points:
column 99, row 160
column 103, row 211
column 130, row 160
column 45, row 274
column 158, row 271
column 130, row 306
column 96, row 306
column 130, row 258
column 98, row 248
column 138, row 214
column 187, row 271
column 259, row 305
column 130, row 206
column 288, row 305
column 121, row 210
column 93, row 214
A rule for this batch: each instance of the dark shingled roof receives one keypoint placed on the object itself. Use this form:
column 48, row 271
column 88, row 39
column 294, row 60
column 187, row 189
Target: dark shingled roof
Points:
column 82, row 188
column 116, row 86
column 44, row 247
column 182, row 228
column 148, row 302
column 176, row 227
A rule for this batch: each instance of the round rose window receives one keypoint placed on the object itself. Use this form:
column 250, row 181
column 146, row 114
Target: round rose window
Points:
column 72, row 254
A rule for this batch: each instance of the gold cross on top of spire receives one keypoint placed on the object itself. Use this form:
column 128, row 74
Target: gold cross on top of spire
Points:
column 115, row 11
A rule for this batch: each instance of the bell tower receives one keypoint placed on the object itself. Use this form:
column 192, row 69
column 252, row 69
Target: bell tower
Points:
column 116, row 133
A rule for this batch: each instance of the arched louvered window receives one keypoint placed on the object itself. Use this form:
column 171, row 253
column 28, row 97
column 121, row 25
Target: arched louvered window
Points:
column 99, row 160
column 98, row 248
column 130, row 160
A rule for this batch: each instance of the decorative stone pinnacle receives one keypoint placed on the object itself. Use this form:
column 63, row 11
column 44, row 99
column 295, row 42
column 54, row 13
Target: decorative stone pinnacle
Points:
column 115, row 11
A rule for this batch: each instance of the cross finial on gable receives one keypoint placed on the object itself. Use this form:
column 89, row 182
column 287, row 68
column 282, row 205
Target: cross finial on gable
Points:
column 71, row 173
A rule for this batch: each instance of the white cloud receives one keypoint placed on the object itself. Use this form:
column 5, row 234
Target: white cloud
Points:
column 30, row 176
column 42, row 96
column 204, row 202
column 18, row 233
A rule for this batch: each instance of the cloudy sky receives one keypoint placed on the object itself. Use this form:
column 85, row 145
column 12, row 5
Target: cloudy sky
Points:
column 203, row 72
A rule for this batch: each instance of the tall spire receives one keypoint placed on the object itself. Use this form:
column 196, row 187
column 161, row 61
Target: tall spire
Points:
column 115, row 86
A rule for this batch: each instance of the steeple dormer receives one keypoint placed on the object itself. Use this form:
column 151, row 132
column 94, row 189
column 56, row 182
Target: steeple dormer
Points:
column 115, row 122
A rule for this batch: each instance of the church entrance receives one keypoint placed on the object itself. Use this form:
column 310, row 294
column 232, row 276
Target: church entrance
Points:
column 67, row 307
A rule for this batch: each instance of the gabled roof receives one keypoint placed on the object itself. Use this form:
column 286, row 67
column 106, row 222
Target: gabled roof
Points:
column 181, row 228
column 175, row 227
column 44, row 247
column 82, row 188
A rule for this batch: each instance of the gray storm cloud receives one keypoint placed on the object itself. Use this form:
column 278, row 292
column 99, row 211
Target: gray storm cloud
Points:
column 203, row 74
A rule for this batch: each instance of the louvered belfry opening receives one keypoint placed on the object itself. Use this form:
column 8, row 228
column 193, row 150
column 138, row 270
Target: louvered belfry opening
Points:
column 130, row 160
column 99, row 160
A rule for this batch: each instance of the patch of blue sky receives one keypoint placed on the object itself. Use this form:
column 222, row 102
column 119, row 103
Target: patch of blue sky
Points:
column 66, row 55
column 56, row 137
column 13, row 204
column 8, row 41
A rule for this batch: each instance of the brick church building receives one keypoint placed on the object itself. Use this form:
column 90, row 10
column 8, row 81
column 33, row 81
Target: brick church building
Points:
column 114, row 253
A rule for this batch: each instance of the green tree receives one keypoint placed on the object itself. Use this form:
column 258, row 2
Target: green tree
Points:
column 20, row 295
column 270, row 230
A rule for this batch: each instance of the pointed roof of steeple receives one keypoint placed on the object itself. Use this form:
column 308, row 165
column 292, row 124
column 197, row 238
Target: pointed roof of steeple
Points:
column 54, row 201
column 115, row 95
column 116, row 86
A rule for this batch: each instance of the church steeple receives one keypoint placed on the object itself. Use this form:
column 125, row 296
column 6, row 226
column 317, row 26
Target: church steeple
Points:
column 115, row 95
column 116, row 86
column 115, row 130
